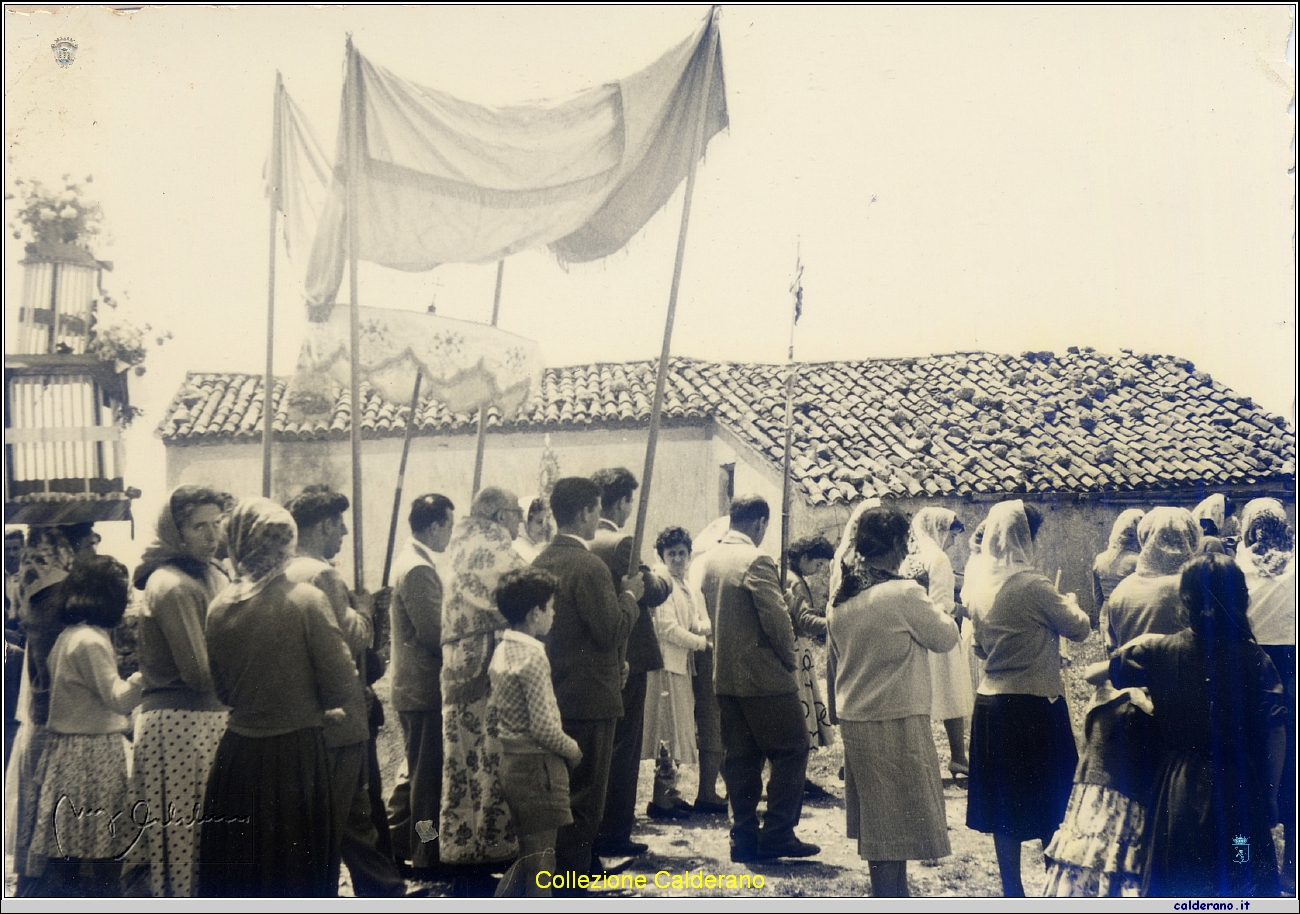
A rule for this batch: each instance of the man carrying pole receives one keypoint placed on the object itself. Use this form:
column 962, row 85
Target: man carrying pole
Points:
column 614, row 549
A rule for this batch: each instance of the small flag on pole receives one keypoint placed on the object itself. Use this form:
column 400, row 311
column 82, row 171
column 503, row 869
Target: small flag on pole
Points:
column 796, row 288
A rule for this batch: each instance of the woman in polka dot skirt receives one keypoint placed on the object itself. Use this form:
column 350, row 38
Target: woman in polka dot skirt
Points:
column 181, row 720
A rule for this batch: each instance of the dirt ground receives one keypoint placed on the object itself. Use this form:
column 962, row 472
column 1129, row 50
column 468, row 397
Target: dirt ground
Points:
column 701, row 842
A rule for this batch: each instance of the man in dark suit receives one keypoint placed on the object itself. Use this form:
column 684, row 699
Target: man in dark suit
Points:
column 758, row 696
column 586, row 647
column 614, row 549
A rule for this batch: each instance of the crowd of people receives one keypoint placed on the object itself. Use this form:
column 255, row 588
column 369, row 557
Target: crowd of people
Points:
column 537, row 664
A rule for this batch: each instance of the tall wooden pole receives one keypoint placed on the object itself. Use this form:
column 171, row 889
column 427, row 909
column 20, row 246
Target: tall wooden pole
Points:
column 268, row 382
column 401, row 477
column 481, row 444
column 656, row 409
column 355, row 114
column 797, row 290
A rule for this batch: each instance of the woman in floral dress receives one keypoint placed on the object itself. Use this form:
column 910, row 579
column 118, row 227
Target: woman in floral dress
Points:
column 475, row 820
column 810, row 558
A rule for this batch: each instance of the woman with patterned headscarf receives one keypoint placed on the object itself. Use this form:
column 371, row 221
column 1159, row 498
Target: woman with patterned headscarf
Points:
column 879, row 631
column 1120, row 558
column 1100, row 848
column 1266, row 556
column 1022, row 752
column 181, row 719
column 952, row 697
column 279, row 660
column 475, row 819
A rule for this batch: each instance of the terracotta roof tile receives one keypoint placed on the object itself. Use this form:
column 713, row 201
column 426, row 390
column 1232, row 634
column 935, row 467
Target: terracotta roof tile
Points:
column 970, row 422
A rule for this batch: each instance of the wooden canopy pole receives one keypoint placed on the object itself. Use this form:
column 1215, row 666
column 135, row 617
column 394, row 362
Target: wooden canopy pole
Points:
column 481, row 444
column 355, row 113
column 268, row 382
column 401, row 477
column 656, row 409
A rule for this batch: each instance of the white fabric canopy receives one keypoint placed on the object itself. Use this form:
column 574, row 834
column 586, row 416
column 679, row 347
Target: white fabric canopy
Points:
column 441, row 180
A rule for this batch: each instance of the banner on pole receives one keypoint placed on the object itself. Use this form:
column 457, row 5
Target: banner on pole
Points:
column 298, row 177
column 465, row 365
column 442, row 180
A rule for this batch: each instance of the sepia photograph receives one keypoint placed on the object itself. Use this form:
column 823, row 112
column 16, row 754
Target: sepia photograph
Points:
column 650, row 452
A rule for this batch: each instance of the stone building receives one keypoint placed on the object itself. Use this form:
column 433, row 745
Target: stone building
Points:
column 1084, row 434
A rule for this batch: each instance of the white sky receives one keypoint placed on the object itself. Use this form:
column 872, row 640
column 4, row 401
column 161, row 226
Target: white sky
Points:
column 1001, row 179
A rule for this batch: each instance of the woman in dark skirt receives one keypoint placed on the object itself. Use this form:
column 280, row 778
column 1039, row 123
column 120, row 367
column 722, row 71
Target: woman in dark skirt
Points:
column 280, row 662
column 1022, row 747
column 1219, row 713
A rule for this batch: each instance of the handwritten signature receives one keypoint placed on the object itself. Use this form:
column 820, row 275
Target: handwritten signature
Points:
column 139, row 818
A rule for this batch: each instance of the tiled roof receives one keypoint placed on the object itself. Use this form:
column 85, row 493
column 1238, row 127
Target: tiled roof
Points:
column 969, row 423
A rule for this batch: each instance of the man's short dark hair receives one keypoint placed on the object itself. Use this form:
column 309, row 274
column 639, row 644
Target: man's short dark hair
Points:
column 95, row 592
column 77, row 534
column 428, row 510
column 749, row 509
column 809, row 549
column 615, row 483
column 571, row 496
column 520, row 591
column 315, row 504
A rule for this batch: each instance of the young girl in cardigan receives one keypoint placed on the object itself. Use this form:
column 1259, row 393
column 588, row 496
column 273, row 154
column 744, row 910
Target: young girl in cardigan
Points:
column 85, row 824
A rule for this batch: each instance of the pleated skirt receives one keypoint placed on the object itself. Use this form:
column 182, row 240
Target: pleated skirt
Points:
column 893, row 796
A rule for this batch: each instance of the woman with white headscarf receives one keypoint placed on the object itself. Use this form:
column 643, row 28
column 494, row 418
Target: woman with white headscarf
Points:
column 976, row 596
column 1266, row 556
column 1212, row 515
column 1100, row 848
column 1120, row 558
column 1022, row 747
column 537, row 529
column 952, row 698
column 475, row 818
column 279, row 660
column 1147, row 600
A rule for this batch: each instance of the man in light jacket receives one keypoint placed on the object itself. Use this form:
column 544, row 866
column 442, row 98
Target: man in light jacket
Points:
column 417, row 691
column 758, row 696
